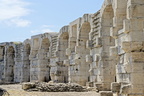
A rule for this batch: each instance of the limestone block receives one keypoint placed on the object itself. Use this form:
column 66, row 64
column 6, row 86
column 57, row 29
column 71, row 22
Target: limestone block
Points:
column 96, row 71
column 137, row 2
column 89, row 44
column 106, row 93
column 132, row 46
column 68, row 51
column 88, row 58
column 114, row 22
column 137, row 24
column 108, row 78
column 134, row 11
column 128, row 67
column 80, row 49
column 99, row 86
column 123, row 77
column 125, row 89
column 137, row 56
column 89, row 84
column 94, row 64
column 136, row 46
column 138, row 88
column 114, row 51
column 77, row 61
column 126, row 26
column 113, row 32
column 26, row 86
column 48, row 54
column 126, row 46
column 120, row 32
column 77, row 56
column 137, row 67
column 98, row 42
column 93, row 78
column 136, row 36
column 57, row 53
column 96, row 58
column 137, row 78
column 66, row 62
column 115, row 87
column 120, row 68
column 108, row 41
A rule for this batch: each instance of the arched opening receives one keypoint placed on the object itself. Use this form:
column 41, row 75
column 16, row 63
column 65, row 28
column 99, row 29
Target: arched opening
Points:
column 107, row 74
column 84, row 34
column 44, row 72
column 26, row 63
column 10, row 64
column 63, row 45
column 81, row 67
column 34, row 66
column 106, row 24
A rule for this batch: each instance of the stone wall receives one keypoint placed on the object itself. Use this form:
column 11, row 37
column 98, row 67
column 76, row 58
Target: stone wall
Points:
column 103, row 50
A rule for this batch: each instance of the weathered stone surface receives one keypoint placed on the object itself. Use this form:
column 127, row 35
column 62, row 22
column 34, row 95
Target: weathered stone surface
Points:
column 106, row 93
column 54, row 87
column 115, row 87
column 98, row 49
column 27, row 86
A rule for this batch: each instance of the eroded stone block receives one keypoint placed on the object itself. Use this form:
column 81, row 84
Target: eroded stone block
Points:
column 26, row 86
column 88, row 58
column 106, row 93
column 115, row 87
column 126, row 89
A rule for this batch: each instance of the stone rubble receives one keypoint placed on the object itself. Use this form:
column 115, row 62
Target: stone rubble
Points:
column 53, row 87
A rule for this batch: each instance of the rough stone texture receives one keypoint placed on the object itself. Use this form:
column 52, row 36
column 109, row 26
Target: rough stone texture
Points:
column 27, row 86
column 115, row 87
column 16, row 90
column 94, row 50
column 106, row 93
column 53, row 87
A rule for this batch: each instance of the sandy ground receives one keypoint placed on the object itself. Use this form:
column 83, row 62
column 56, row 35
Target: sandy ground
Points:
column 15, row 90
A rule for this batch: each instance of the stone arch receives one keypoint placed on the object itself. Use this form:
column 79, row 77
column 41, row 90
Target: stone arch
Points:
column 63, row 45
column 84, row 34
column 81, row 68
column 35, row 45
column 44, row 68
column 107, row 19
column 10, row 64
column 26, row 63
column 107, row 15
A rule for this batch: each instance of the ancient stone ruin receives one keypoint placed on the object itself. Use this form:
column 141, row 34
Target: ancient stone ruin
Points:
column 103, row 50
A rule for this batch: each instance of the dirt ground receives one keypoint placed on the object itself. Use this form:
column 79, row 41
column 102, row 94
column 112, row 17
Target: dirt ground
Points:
column 15, row 90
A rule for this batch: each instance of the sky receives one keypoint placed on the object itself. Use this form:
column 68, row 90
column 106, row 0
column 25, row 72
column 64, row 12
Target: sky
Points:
column 21, row 19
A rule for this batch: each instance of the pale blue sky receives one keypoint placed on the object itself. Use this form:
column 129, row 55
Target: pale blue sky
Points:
column 20, row 19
